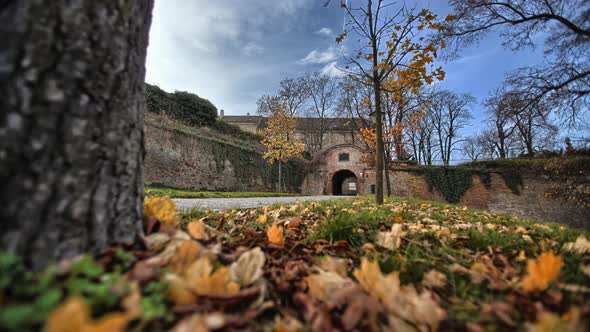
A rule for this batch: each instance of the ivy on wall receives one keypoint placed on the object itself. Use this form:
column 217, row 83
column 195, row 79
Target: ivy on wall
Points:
column 452, row 183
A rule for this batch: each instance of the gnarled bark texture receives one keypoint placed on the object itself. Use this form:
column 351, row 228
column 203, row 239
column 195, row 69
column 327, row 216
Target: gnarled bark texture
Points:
column 71, row 125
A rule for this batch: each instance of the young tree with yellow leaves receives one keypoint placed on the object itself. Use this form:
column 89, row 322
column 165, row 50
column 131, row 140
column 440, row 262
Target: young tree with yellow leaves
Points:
column 279, row 139
column 395, row 54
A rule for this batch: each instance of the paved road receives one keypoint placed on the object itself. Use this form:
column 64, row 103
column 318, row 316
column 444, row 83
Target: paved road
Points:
column 244, row 203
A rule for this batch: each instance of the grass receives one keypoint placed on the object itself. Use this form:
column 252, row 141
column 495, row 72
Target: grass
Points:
column 185, row 193
column 436, row 236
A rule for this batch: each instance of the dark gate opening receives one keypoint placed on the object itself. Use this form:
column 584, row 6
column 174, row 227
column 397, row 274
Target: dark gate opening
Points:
column 344, row 183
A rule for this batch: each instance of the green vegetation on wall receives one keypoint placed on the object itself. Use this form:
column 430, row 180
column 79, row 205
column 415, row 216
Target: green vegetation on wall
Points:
column 451, row 182
column 184, row 106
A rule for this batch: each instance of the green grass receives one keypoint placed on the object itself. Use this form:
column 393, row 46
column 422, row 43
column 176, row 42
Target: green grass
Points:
column 184, row 193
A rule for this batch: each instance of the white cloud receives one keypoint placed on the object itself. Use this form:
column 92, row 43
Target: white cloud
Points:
column 331, row 69
column 252, row 48
column 319, row 57
column 325, row 32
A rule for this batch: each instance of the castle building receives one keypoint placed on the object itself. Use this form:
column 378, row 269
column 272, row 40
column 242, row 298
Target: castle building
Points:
column 333, row 148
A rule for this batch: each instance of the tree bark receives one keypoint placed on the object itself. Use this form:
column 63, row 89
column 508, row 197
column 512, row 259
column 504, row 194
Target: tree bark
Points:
column 71, row 125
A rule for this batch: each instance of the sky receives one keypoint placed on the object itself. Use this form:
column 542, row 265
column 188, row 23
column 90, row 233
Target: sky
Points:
column 233, row 51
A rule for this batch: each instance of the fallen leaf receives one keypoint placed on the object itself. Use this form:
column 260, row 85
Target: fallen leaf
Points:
column 322, row 284
column 334, row 264
column 263, row 218
column 185, row 254
column 434, row 279
column 156, row 241
column 198, row 230
column 201, row 323
column 248, row 268
column 74, row 316
column 162, row 208
column 550, row 322
column 541, row 272
column 392, row 239
column 585, row 269
column 275, row 235
column 294, row 222
column 581, row 246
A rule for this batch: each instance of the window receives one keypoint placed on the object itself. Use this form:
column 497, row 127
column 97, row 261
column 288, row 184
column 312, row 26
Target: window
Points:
column 343, row 157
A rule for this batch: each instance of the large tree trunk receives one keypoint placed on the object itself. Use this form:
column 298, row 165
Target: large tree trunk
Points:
column 71, row 125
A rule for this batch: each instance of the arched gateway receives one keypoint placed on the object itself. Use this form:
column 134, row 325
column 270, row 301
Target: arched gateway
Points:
column 344, row 182
column 336, row 170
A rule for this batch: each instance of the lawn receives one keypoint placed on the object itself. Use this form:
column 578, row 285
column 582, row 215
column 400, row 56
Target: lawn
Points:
column 345, row 265
column 184, row 193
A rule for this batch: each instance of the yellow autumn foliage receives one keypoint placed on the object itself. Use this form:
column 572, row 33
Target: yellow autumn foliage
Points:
column 74, row 316
column 275, row 235
column 541, row 272
column 162, row 208
column 279, row 137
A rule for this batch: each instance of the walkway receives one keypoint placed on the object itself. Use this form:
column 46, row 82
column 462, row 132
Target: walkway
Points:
column 245, row 203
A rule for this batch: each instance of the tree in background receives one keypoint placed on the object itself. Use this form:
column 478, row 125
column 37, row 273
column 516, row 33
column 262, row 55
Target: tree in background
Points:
column 267, row 104
column 71, row 125
column 323, row 93
column 450, row 114
column 563, row 80
column 193, row 109
column 502, row 128
column 294, row 94
column 393, row 43
column 280, row 141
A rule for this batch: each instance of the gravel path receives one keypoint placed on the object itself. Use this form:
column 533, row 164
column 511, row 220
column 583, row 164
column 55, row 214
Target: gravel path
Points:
column 244, row 203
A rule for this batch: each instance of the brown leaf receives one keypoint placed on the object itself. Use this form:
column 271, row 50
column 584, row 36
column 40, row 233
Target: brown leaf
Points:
column 248, row 268
column 198, row 230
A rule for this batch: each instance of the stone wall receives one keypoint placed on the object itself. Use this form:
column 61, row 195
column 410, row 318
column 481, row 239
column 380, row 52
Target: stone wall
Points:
column 181, row 160
column 531, row 203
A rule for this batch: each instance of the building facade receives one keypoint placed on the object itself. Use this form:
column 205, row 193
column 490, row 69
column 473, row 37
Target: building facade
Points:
column 334, row 149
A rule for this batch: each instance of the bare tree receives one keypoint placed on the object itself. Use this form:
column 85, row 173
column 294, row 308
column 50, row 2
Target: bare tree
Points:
column 293, row 93
column 71, row 125
column 323, row 94
column 534, row 130
column 267, row 104
column 472, row 148
column 497, row 107
column 450, row 113
column 563, row 81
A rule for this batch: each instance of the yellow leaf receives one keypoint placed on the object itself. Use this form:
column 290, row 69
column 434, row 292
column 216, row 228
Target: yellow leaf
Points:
column 162, row 208
column 275, row 235
column 321, row 285
column 71, row 316
column 198, row 230
column 179, row 291
column 203, row 282
column 550, row 322
column 263, row 218
column 74, row 316
column 185, row 254
column 397, row 219
column 541, row 272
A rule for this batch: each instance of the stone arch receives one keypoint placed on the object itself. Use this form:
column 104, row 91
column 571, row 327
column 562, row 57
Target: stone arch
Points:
column 344, row 182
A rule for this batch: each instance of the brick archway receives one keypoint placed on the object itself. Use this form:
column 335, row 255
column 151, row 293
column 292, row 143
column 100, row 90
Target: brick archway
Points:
column 343, row 182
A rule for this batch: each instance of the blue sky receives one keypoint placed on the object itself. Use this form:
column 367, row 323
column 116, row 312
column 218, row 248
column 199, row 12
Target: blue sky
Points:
column 233, row 51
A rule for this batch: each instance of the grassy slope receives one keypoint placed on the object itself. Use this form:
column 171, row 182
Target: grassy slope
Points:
column 182, row 193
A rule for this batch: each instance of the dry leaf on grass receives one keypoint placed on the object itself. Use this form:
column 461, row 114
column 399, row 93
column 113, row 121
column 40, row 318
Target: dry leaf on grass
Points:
column 581, row 246
column 201, row 323
column 156, row 241
column 541, row 272
column 162, row 208
column 74, row 316
column 185, row 254
column 392, row 239
column 263, row 218
column 322, row 284
column 334, row 264
column 275, row 235
column 402, row 302
column 434, row 279
column 198, row 230
column 248, row 268
column 550, row 322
